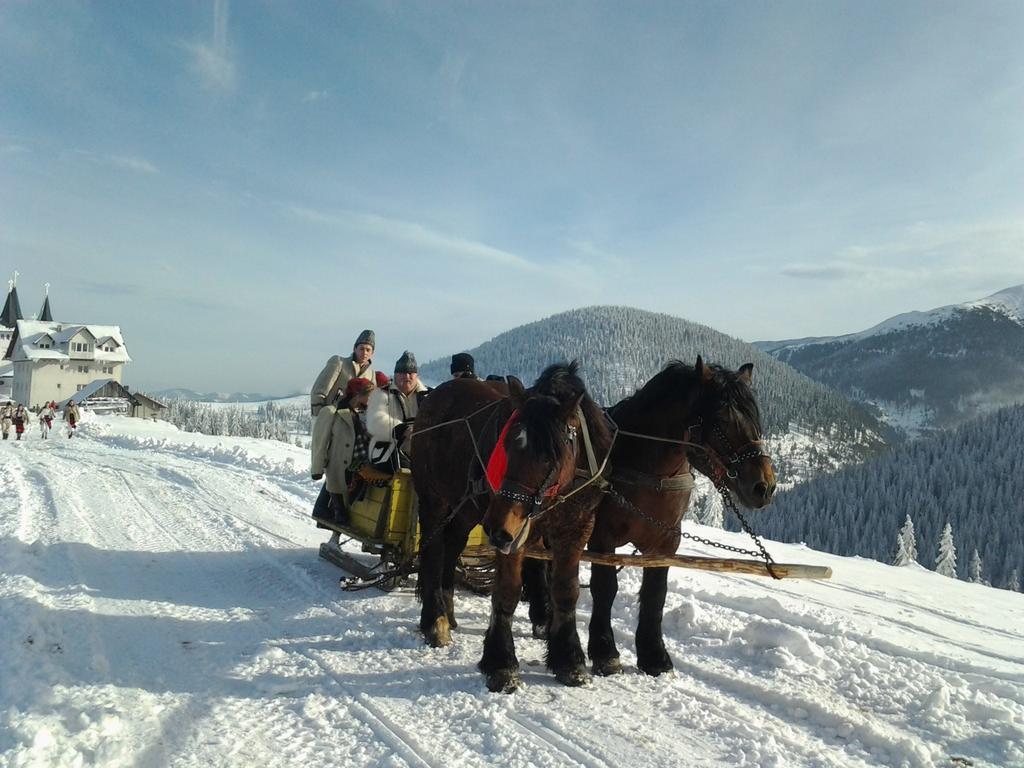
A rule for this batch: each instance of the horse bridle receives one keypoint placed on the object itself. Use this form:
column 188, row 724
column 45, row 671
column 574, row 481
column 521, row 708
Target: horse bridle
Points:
column 722, row 466
column 534, row 498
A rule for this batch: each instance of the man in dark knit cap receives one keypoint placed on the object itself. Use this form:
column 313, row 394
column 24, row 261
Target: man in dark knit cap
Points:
column 335, row 376
column 393, row 408
column 462, row 366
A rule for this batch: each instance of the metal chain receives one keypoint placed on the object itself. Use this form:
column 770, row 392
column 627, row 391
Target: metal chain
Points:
column 727, row 500
column 681, row 534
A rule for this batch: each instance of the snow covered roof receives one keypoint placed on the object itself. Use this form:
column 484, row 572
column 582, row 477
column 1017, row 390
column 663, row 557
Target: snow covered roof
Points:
column 90, row 389
column 64, row 334
column 28, row 333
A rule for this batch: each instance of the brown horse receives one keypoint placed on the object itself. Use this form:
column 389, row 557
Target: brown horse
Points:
column 705, row 416
column 551, row 487
column 456, row 430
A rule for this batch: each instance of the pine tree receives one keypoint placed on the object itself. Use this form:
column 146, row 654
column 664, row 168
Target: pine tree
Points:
column 901, row 557
column 1013, row 583
column 945, row 562
column 908, row 548
column 974, row 569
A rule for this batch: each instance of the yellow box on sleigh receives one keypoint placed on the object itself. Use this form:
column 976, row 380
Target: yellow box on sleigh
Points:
column 383, row 513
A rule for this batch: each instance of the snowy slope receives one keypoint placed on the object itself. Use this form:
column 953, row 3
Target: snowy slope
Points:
column 1008, row 302
column 161, row 603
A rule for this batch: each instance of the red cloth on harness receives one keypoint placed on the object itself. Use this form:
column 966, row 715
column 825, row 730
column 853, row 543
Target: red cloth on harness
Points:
column 498, row 463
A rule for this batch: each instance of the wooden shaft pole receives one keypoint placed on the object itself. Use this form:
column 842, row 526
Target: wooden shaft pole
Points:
column 724, row 565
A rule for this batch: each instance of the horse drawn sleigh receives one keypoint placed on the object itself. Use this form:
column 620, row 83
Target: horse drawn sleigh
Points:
column 571, row 483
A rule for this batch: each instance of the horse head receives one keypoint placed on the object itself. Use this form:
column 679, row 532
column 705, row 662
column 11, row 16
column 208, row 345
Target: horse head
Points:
column 726, row 422
column 541, row 447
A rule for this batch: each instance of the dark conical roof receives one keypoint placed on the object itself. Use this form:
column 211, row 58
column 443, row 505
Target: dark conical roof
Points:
column 12, row 310
column 44, row 313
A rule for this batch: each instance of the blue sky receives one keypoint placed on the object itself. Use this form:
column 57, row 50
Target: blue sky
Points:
column 243, row 187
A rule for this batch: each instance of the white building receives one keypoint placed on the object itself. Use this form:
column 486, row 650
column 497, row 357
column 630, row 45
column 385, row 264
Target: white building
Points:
column 53, row 361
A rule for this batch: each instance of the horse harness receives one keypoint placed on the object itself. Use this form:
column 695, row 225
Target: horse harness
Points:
column 584, row 478
column 721, row 468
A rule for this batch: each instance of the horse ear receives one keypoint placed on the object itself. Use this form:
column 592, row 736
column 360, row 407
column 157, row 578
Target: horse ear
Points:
column 515, row 386
column 703, row 372
column 746, row 372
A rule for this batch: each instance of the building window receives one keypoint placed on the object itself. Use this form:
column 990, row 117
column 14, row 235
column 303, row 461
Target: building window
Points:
column 80, row 387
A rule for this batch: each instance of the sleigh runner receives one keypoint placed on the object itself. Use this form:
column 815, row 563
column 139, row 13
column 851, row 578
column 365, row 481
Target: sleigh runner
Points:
column 385, row 520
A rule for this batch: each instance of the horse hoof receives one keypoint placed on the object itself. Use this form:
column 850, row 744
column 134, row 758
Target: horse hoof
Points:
column 655, row 668
column 440, row 634
column 574, row 677
column 504, row 681
column 608, row 667
column 452, row 623
column 540, row 631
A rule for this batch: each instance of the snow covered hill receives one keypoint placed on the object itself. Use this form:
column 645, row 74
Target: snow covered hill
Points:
column 620, row 348
column 924, row 370
column 161, row 604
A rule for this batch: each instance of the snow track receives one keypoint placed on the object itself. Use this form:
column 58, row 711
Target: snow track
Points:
column 161, row 603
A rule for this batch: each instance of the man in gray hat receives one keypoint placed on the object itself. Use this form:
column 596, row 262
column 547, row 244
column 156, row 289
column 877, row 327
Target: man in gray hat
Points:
column 340, row 370
column 330, row 386
column 392, row 409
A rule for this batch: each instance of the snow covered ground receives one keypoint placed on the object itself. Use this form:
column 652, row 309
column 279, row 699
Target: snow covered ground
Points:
column 162, row 603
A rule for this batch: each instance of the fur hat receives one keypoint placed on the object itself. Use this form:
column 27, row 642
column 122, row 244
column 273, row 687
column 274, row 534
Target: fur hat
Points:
column 462, row 363
column 357, row 385
column 366, row 337
column 407, row 363
column 381, row 379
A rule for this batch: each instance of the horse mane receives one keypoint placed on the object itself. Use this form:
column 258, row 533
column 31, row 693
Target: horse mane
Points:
column 678, row 377
column 557, row 385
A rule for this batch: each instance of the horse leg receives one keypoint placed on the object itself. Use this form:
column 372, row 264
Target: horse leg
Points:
column 499, row 663
column 565, row 654
column 455, row 535
column 651, row 655
column 433, row 615
column 535, row 590
column 604, row 585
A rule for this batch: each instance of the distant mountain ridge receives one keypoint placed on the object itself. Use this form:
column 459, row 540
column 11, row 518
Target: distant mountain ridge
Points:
column 810, row 428
column 180, row 393
column 924, row 370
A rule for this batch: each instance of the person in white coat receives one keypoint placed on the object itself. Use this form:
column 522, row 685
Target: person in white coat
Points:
column 339, row 448
column 6, row 418
column 331, row 383
column 392, row 410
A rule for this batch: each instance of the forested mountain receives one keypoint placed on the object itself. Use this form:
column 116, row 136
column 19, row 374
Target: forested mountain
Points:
column 810, row 428
column 181, row 393
column 925, row 370
column 971, row 477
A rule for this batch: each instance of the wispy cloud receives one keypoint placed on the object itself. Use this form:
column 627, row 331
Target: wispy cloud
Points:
column 139, row 164
column 14, row 149
column 213, row 61
column 134, row 163
column 179, row 298
column 834, row 271
column 975, row 254
column 416, row 236
column 311, row 96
